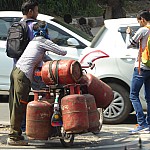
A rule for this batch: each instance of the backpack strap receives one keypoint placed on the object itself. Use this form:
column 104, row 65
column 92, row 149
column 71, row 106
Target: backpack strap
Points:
column 139, row 58
column 140, row 54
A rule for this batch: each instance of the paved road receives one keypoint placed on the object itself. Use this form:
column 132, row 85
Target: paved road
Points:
column 4, row 113
column 111, row 137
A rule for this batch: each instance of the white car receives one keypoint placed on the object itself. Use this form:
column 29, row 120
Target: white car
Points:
column 114, row 65
column 68, row 37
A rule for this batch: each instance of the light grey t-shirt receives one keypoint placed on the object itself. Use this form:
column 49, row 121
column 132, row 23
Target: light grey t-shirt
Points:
column 141, row 35
column 34, row 53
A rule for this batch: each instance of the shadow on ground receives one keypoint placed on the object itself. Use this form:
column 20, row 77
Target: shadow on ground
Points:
column 130, row 120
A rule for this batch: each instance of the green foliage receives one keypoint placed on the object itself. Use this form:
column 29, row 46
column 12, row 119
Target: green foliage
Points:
column 58, row 7
column 10, row 4
column 73, row 7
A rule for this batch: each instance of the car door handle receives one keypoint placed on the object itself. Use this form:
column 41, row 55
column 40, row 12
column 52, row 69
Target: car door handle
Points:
column 128, row 58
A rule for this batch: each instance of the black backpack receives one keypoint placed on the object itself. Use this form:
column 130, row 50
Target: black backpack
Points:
column 17, row 39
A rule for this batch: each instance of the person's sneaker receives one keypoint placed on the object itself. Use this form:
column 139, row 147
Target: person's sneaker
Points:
column 147, row 130
column 16, row 142
column 139, row 129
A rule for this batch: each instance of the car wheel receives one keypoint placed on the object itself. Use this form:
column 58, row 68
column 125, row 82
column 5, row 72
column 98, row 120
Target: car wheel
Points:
column 120, row 107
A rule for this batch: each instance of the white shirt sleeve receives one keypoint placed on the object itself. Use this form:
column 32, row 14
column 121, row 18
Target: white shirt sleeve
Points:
column 128, row 44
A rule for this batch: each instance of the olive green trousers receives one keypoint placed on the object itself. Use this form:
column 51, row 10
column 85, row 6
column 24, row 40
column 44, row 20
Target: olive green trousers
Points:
column 18, row 98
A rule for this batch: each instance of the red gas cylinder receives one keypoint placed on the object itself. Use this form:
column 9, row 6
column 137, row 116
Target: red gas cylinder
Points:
column 93, row 114
column 38, row 117
column 61, row 71
column 74, row 113
column 102, row 93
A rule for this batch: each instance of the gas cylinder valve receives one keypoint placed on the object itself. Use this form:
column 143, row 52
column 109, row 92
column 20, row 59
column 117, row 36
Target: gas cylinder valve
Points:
column 56, row 119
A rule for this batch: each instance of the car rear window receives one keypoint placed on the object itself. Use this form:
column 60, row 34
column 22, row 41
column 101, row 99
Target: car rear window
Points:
column 122, row 30
column 97, row 39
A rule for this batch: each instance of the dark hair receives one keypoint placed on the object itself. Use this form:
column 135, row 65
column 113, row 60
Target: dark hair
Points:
column 145, row 14
column 82, row 21
column 30, row 4
column 67, row 18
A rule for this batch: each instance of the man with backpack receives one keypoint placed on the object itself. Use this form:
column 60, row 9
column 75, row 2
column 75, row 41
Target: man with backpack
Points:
column 141, row 74
column 30, row 12
column 16, row 43
column 22, row 31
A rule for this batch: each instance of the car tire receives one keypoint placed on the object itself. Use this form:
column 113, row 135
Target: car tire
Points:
column 120, row 107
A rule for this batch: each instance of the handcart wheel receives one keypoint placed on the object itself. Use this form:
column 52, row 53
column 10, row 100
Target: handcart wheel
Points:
column 67, row 139
column 101, row 118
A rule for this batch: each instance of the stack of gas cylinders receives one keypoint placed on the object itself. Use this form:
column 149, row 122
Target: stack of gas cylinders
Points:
column 78, row 106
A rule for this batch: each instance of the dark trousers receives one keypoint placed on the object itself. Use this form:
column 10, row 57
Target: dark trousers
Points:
column 18, row 97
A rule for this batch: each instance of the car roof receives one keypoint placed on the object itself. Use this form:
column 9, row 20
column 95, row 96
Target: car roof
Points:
column 120, row 22
column 48, row 18
column 19, row 14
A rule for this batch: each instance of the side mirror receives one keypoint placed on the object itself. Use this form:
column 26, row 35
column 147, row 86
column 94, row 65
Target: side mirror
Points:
column 72, row 42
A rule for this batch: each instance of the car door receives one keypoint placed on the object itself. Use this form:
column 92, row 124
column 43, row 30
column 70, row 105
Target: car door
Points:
column 6, row 66
column 127, row 59
column 6, row 63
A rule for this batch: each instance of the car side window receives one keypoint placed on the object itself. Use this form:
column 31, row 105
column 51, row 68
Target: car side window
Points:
column 60, row 37
column 122, row 30
column 5, row 23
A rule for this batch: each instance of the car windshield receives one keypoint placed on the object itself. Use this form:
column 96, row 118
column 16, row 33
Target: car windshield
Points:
column 97, row 39
column 74, row 29
column 6, row 22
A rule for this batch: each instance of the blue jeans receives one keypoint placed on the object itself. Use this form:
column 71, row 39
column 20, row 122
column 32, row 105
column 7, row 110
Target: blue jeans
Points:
column 136, row 84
